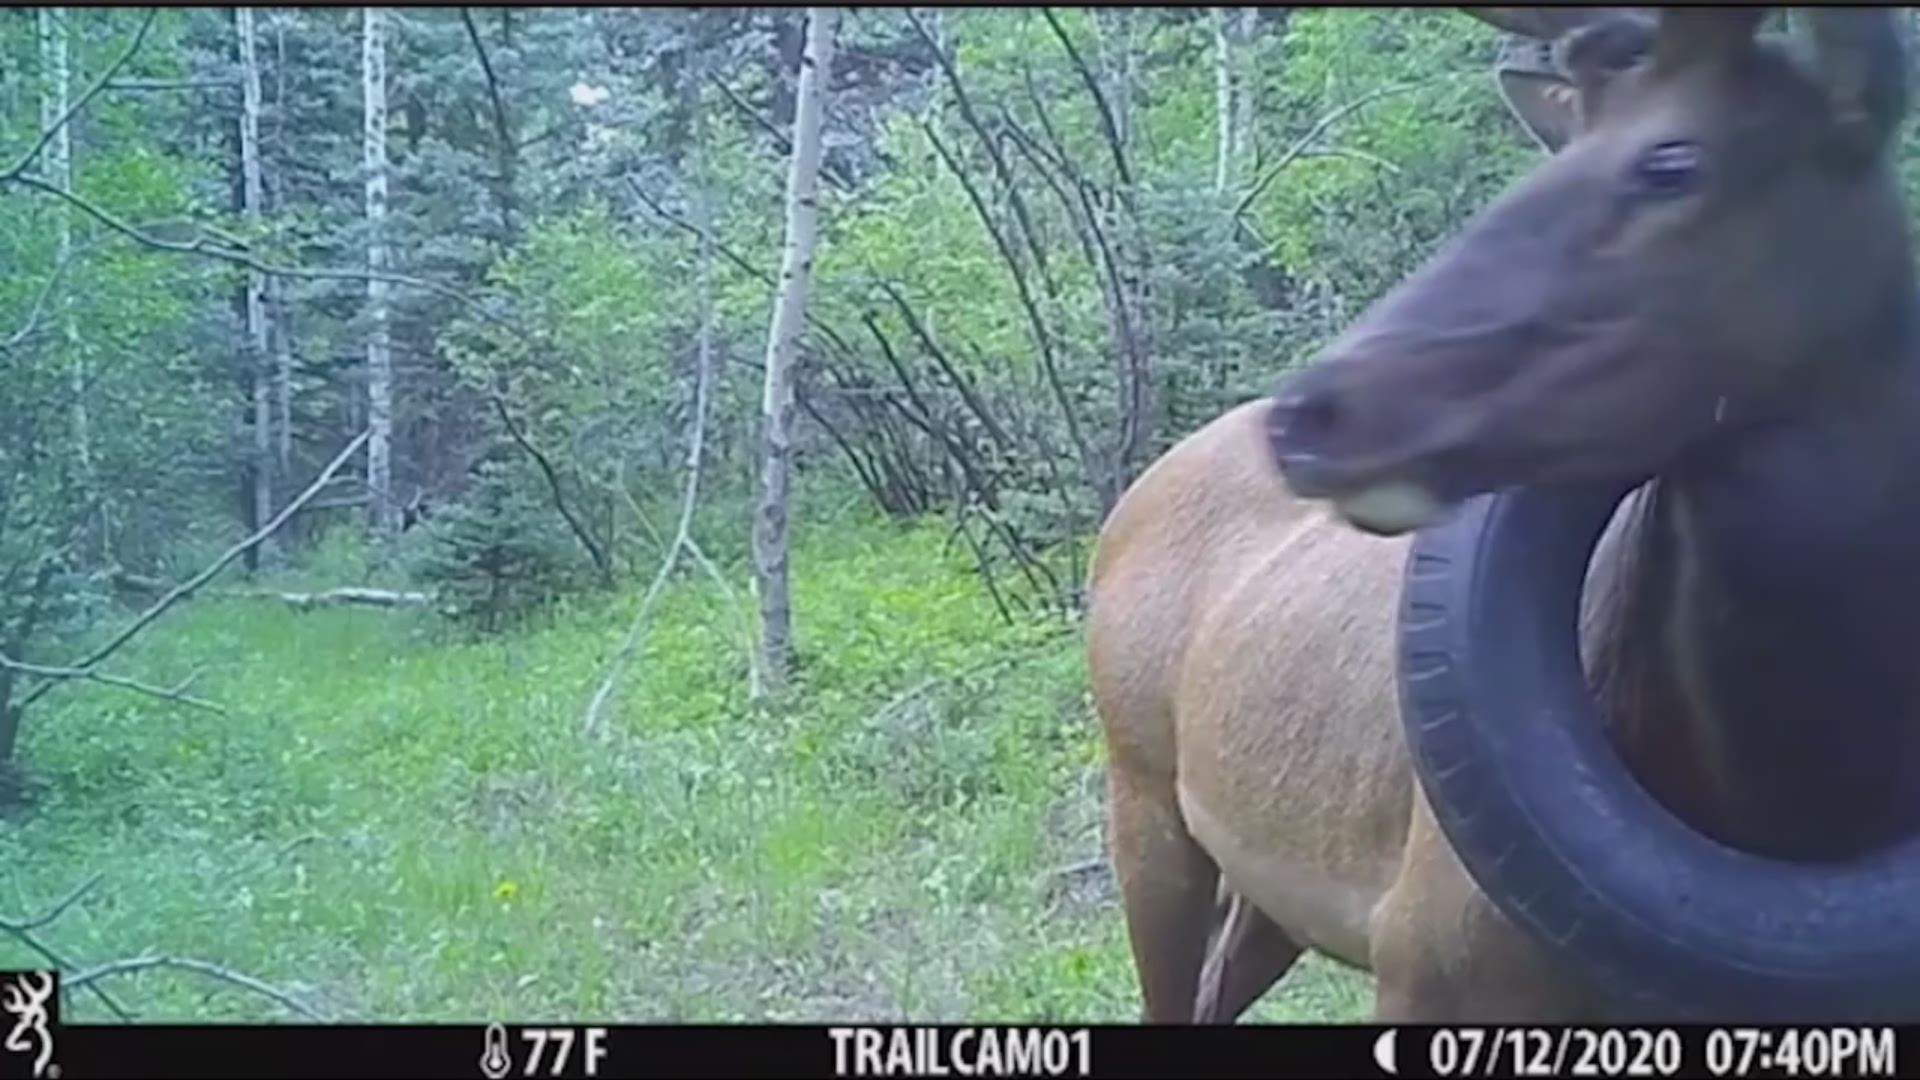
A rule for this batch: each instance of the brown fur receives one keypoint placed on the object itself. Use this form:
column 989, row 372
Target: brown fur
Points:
column 1241, row 639
column 1240, row 643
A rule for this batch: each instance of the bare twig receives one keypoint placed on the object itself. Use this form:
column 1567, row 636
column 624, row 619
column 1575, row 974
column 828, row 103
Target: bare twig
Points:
column 600, row 560
column 1107, row 122
column 22, row 929
column 200, row 967
column 721, row 249
column 199, row 246
column 19, row 167
column 58, row 909
column 1043, row 336
column 38, row 310
column 187, row 588
column 503, row 132
column 780, row 137
column 43, row 671
column 1349, row 152
column 493, row 81
column 1308, row 142
column 145, row 85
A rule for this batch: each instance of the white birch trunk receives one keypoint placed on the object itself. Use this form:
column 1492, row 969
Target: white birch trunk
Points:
column 282, row 327
column 57, row 165
column 1222, row 101
column 783, row 343
column 383, row 515
column 252, row 199
column 1243, row 78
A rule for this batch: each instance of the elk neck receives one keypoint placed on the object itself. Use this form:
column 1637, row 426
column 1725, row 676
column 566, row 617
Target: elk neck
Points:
column 1781, row 571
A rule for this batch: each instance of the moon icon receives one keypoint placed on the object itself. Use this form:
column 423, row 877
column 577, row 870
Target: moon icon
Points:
column 1384, row 1049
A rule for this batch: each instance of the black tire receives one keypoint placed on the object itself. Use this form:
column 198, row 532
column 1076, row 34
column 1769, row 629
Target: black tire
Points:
column 1506, row 741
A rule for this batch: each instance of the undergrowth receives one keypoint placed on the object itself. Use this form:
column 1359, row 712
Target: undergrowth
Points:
column 396, row 820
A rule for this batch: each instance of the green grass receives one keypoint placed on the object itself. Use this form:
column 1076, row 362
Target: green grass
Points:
column 397, row 822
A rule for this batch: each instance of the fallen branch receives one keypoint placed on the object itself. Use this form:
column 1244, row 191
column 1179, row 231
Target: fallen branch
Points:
column 201, row 967
column 43, row 671
column 187, row 588
column 346, row 595
column 22, row 929
column 341, row 597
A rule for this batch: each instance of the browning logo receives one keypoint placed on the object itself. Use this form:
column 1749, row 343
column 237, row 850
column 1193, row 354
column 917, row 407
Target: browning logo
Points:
column 29, row 1011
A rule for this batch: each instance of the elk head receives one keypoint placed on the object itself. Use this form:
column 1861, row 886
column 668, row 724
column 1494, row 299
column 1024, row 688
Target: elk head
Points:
column 1716, row 232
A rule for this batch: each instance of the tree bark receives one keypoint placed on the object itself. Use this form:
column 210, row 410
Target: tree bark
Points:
column 1245, row 26
column 1222, row 102
column 57, row 168
column 281, row 320
column 252, row 206
column 783, row 342
column 383, row 512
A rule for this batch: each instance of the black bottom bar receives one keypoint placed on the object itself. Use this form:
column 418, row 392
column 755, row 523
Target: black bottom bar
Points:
column 953, row 1051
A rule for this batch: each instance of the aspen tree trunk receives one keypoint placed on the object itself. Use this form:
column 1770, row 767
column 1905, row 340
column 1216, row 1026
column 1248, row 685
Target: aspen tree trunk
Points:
column 383, row 516
column 1243, row 93
column 783, row 343
column 281, row 320
column 57, row 166
column 1222, row 101
column 251, row 207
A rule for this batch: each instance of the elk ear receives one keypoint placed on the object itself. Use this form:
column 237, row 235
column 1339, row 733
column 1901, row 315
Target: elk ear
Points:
column 1545, row 101
column 1858, row 56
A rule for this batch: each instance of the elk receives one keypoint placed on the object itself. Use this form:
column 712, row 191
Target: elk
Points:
column 1546, row 645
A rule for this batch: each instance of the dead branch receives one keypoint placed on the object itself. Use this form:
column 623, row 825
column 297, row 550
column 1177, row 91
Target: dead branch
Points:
column 781, row 138
column 1107, row 122
column 1042, row 337
column 58, row 909
column 199, row 246
column 200, row 967
column 503, row 132
column 22, row 930
column 146, row 85
column 187, row 588
column 38, row 310
column 600, row 560
column 1014, row 198
column 696, row 432
column 721, row 249
column 350, row 595
column 43, row 671
column 1307, row 142
column 19, row 167
column 300, row 601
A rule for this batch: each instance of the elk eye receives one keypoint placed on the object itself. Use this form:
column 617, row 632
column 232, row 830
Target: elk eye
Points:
column 1668, row 168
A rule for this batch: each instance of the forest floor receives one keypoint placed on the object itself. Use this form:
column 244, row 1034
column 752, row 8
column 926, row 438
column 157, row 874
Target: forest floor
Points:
column 394, row 821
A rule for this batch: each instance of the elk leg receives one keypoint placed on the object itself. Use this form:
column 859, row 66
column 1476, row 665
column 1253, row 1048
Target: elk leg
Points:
column 1167, row 885
column 1247, row 958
